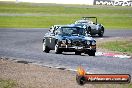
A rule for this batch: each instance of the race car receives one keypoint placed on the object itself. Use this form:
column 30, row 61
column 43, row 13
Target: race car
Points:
column 92, row 28
column 69, row 39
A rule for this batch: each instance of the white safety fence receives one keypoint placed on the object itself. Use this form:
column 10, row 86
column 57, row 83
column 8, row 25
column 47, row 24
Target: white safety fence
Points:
column 113, row 2
column 85, row 2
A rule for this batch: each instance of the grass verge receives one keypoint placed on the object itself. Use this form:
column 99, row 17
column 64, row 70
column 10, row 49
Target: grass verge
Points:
column 7, row 83
column 47, row 21
column 16, row 15
column 33, row 22
column 118, row 45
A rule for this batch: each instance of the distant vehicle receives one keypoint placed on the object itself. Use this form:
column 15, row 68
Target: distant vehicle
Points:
column 69, row 39
column 92, row 28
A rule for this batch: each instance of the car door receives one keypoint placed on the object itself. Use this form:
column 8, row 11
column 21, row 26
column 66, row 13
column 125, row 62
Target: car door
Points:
column 47, row 39
column 52, row 41
column 93, row 28
column 54, row 38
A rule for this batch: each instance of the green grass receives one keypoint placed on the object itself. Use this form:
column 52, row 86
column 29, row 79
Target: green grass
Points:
column 7, row 84
column 50, row 14
column 32, row 22
column 47, row 21
column 120, row 46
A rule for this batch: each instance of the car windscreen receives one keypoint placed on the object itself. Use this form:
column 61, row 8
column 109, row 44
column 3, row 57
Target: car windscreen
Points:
column 84, row 22
column 81, row 22
column 73, row 31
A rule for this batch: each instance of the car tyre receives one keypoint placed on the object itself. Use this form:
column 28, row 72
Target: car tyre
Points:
column 45, row 48
column 101, row 32
column 91, row 53
column 57, row 49
column 77, row 53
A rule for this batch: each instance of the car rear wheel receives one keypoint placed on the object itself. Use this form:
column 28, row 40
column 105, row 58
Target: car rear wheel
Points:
column 57, row 49
column 77, row 53
column 45, row 48
column 101, row 32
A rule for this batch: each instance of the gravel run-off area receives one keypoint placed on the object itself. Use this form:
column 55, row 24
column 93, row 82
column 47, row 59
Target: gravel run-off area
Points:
column 34, row 76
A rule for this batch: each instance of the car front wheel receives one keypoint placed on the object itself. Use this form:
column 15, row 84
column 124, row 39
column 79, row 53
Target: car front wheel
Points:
column 77, row 53
column 91, row 53
column 45, row 48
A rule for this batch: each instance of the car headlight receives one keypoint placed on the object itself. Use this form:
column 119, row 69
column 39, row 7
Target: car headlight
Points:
column 69, row 41
column 63, row 41
column 93, row 43
column 88, row 42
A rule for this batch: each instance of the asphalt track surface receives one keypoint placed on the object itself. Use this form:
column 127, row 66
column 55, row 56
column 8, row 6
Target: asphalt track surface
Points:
column 26, row 44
